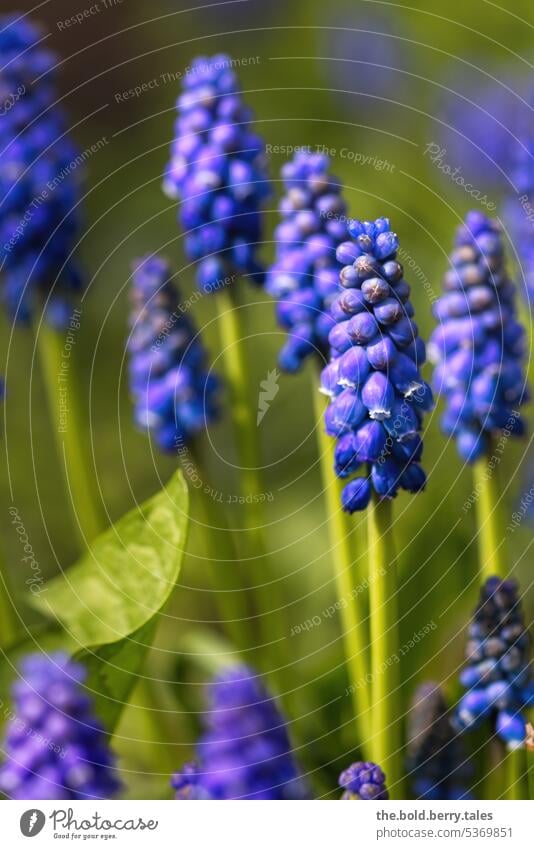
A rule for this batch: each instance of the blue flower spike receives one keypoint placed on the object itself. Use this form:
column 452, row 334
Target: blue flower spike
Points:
column 478, row 346
column 497, row 676
column 436, row 761
column 245, row 752
column 304, row 278
column 40, row 181
column 174, row 393
column 55, row 748
column 378, row 397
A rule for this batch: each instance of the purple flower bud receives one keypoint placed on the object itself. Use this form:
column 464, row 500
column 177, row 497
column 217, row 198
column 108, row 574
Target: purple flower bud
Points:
column 363, row 781
column 353, row 367
column 362, row 328
column 381, row 353
column 356, row 495
column 173, row 391
column 378, row 396
column 498, row 666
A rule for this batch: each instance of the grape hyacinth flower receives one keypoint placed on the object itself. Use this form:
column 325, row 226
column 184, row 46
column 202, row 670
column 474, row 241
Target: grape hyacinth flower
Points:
column 245, row 752
column 519, row 212
column 304, row 278
column 436, row 760
column 39, row 180
column 173, row 391
column 478, row 346
column 218, row 171
column 378, row 396
column 497, row 677
column 55, row 748
column 363, row 780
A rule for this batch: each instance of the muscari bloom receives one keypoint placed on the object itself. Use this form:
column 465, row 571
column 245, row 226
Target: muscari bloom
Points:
column 39, row 180
column 519, row 212
column 245, row 752
column 363, row 780
column 497, row 676
column 436, row 762
column 478, row 346
column 55, row 748
column 378, row 396
column 174, row 393
column 304, row 278
column 218, row 172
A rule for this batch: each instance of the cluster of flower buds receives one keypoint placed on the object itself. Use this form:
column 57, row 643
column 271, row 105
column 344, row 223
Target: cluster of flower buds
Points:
column 245, row 752
column 40, row 172
column 305, row 276
column 363, row 780
column 55, row 748
column 497, row 676
column 374, row 380
column 218, row 171
column 478, row 346
column 174, row 392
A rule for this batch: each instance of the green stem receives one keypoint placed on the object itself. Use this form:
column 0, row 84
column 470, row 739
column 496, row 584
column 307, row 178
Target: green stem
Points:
column 69, row 432
column 8, row 623
column 385, row 664
column 530, row 767
column 516, row 774
column 237, row 377
column 491, row 549
column 225, row 565
column 355, row 637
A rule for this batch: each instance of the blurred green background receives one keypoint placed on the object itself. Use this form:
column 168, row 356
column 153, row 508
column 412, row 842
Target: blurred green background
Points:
column 304, row 92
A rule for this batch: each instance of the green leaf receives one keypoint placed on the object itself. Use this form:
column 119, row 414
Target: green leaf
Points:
column 108, row 603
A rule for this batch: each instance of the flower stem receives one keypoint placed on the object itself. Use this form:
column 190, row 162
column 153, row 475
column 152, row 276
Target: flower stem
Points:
column 69, row 432
column 491, row 549
column 355, row 637
column 8, row 623
column 516, row 774
column 530, row 771
column 385, row 665
column 224, row 563
column 237, row 376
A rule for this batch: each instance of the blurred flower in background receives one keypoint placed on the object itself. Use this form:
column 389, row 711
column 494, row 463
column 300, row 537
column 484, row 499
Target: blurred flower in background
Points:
column 305, row 276
column 218, row 172
column 363, row 781
column 480, row 119
column 436, row 760
column 497, row 675
column 173, row 390
column 363, row 51
column 40, row 173
column 245, row 752
column 55, row 747
column 478, row 346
